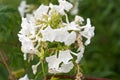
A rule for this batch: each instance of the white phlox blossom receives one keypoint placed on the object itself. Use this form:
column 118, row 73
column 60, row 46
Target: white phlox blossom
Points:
column 48, row 34
column 54, row 62
column 58, row 35
column 23, row 8
column 42, row 10
column 34, row 67
column 52, row 39
column 30, row 19
column 79, row 19
column 24, row 78
column 63, row 5
column 27, row 44
column 88, row 32
column 27, row 28
column 71, row 38
column 72, row 26
column 80, row 55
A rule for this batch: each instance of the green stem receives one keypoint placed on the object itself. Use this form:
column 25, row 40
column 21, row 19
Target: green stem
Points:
column 37, row 76
column 43, row 70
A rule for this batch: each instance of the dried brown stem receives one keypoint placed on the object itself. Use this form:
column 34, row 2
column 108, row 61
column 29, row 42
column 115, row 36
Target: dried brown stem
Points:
column 4, row 61
column 79, row 74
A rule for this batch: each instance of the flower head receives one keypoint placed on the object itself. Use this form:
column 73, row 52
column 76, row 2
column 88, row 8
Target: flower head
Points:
column 48, row 34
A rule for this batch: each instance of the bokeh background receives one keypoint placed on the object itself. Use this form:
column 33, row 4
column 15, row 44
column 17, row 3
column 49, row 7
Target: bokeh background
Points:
column 101, row 57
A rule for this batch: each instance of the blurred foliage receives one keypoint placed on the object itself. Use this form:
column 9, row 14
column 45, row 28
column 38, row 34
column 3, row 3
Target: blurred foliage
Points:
column 101, row 58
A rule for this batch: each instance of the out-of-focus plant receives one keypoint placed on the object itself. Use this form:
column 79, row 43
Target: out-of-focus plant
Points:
column 101, row 58
column 8, row 39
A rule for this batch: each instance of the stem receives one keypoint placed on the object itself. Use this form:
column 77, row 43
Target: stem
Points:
column 43, row 70
column 37, row 76
column 67, row 18
column 79, row 74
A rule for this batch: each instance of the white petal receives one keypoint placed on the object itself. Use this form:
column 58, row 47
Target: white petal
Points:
column 24, row 78
column 48, row 34
column 66, row 5
column 30, row 18
column 63, row 5
column 72, row 26
column 27, row 44
column 57, row 8
column 25, row 27
column 79, row 19
column 60, row 35
column 34, row 67
column 65, row 56
column 53, row 62
column 65, row 68
column 88, row 32
column 80, row 55
column 70, row 38
column 41, row 11
column 23, row 8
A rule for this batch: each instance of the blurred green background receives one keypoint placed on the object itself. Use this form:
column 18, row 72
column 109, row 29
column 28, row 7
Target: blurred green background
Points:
column 101, row 57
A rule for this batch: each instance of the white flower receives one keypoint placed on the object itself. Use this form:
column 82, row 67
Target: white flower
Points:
column 30, row 18
column 79, row 19
column 23, row 8
column 54, row 62
column 61, row 35
column 57, row 8
column 27, row 28
column 88, row 32
column 80, row 55
column 34, row 67
column 48, row 34
column 70, row 38
column 27, row 44
column 63, row 5
column 42, row 10
column 65, row 68
column 58, row 35
column 24, row 78
column 65, row 56
column 72, row 26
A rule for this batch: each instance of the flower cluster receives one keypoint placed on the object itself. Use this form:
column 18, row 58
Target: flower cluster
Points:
column 49, row 34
